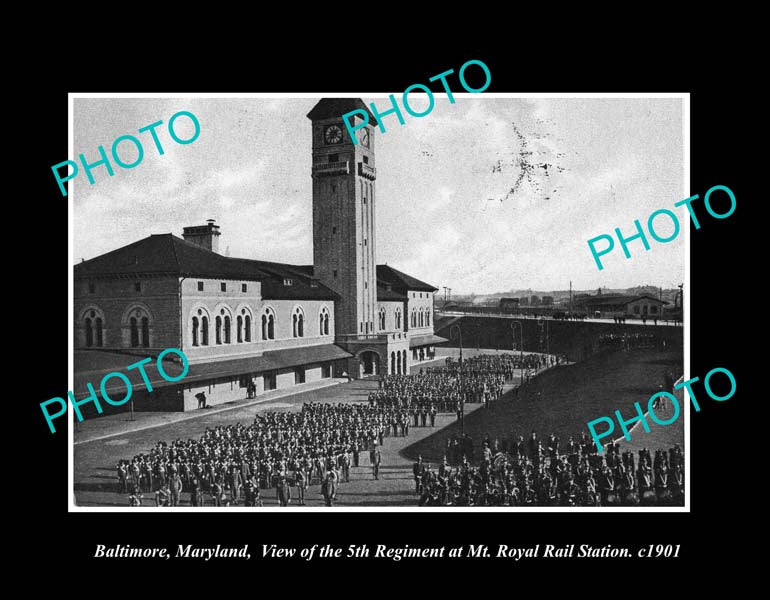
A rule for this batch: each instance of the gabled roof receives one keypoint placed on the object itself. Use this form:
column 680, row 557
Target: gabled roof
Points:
column 401, row 282
column 328, row 108
column 167, row 254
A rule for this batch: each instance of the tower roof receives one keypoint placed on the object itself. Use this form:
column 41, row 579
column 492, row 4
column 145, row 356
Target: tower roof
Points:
column 328, row 108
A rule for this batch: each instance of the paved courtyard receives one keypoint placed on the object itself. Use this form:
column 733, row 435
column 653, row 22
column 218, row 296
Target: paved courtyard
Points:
column 100, row 443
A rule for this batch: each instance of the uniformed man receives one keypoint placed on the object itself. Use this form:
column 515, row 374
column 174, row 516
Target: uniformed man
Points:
column 376, row 463
column 175, row 487
column 163, row 496
column 417, row 470
column 283, row 491
column 135, row 498
column 301, row 480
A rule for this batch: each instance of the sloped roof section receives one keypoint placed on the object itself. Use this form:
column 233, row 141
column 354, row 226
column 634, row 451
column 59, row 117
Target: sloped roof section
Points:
column 328, row 108
column 167, row 254
column 401, row 282
column 384, row 294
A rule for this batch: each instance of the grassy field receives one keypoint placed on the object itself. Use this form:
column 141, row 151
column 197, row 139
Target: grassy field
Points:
column 564, row 399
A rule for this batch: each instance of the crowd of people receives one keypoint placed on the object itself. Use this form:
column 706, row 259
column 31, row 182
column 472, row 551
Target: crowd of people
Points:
column 532, row 472
column 630, row 341
column 286, row 450
column 443, row 389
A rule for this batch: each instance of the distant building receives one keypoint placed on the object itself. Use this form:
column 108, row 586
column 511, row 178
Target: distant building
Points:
column 524, row 301
column 509, row 304
column 612, row 305
column 547, row 300
column 534, row 300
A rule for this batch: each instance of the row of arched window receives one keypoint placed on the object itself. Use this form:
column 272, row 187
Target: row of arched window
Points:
column 267, row 323
column 382, row 322
column 136, row 324
column 398, row 363
column 420, row 318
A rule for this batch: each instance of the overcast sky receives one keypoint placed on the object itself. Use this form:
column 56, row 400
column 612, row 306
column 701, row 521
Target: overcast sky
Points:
column 488, row 194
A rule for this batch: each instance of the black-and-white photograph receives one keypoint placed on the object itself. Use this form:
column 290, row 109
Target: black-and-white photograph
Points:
column 306, row 303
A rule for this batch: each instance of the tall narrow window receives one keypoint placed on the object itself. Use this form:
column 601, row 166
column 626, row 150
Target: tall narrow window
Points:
column 89, row 333
column 145, row 332
column 227, row 329
column 298, row 322
column 268, row 324
column 218, row 329
column 134, row 332
column 323, row 322
column 205, row 331
column 427, row 318
column 195, row 331
column 326, row 324
column 239, row 328
column 99, row 334
column 247, row 328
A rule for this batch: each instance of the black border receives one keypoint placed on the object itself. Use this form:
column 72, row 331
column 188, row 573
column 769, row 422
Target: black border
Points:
column 720, row 470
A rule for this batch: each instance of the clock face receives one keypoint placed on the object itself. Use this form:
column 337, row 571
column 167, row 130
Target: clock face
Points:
column 364, row 138
column 333, row 134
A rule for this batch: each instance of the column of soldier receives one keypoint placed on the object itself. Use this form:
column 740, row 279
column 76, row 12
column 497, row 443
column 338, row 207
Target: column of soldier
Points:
column 629, row 341
column 519, row 473
column 438, row 388
column 288, row 450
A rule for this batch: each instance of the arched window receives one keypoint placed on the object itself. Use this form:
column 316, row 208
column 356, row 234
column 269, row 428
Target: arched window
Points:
column 227, row 329
column 427, row 317
column 137, row 326
column 398, row 319
column 392, row 363
column 218, row 329
column 268, row 324
column 134, row 332
column 200, row 328
column 326, row 324
column 92, row 319
column 382, row 318
column 298, row 322
column 323, row 321
column 239, row 329
column 247, row 328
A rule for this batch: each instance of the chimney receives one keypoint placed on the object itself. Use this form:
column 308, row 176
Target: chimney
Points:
column 206, row 236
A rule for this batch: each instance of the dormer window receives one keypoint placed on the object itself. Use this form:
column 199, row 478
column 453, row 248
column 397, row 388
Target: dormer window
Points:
column 288, row 281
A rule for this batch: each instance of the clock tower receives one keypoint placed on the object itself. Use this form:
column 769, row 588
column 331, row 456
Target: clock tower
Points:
column 344, row 248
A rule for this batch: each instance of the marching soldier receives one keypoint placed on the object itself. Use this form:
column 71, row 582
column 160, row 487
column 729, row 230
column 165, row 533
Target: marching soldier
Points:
column 377, row 459
column 175, row 487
